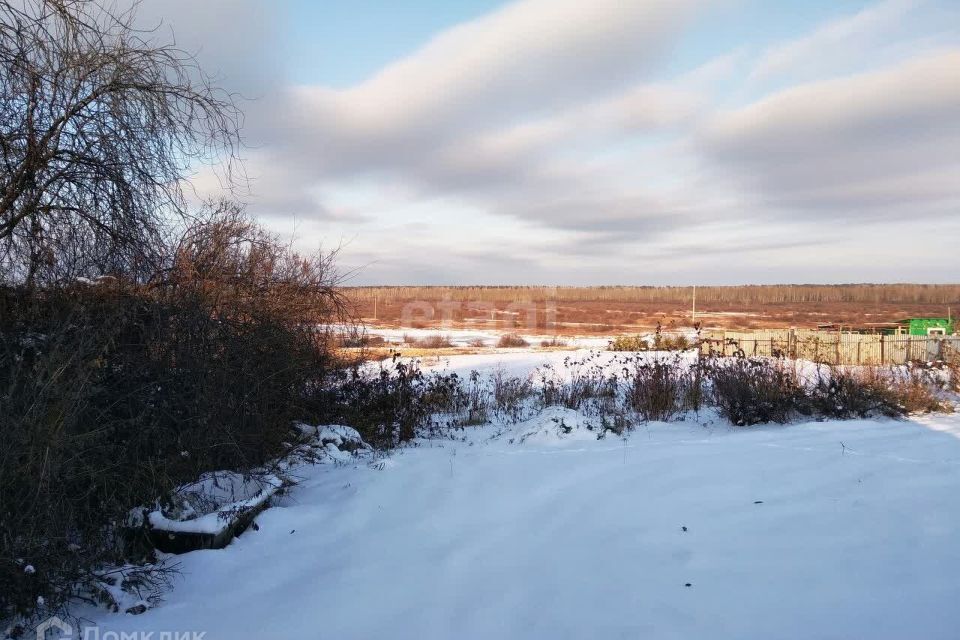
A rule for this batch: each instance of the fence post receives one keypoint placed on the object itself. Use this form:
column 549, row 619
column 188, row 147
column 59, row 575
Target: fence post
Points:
column 882, row 354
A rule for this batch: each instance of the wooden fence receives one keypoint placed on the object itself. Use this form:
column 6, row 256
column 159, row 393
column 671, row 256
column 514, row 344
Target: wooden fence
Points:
column 832, row 348
column 951, row 356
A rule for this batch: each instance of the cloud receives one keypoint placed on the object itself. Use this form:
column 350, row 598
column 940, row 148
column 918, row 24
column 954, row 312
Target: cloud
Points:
column 487, row 111
column 835, row 42
column 863, row 144
column 558, row 140
column 528, row 57
column 234, row 40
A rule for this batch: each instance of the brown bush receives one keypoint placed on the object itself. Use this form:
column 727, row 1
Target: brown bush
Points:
column 662, row 389
column 428, row 342
column 748, row 391
column 512, row 340
column 115, row 394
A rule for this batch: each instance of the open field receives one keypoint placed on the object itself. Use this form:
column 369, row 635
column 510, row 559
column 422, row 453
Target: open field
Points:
column 605, row 310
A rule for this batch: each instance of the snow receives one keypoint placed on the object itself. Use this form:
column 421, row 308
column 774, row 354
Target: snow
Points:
column 543, row 530
column 209, row 505
column 489, row 338
column 524, row 364
column 554, row 426
column 340, row 436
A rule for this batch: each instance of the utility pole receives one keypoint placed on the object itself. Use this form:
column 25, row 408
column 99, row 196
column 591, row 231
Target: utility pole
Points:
column 694, row 304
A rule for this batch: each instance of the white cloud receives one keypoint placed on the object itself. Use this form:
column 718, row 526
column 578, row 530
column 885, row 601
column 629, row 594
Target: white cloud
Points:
column 528, row 56
column 549, row 133
column 863, row 143
column 835, row 42
column 490, row 111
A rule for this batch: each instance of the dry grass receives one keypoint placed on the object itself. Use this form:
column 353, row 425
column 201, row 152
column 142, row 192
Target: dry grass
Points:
column 511, row 340
column 599, row 310
column 940, row 294
column 428, row 342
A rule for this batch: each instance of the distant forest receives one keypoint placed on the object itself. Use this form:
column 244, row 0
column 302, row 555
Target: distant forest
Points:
column 946, row 294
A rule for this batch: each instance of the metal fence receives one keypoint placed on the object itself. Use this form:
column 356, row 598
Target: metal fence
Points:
column 832, row 348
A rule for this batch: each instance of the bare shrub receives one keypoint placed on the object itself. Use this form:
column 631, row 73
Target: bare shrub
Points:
column 397, row 402
column 436, row 341
column 629, row 343
column 674, row 343
column 657, row 342
column 114, row 395
column 477, row 400
column 571, row 393
column 357, row 338
column 512, row 340
column 844, row 392
column 580, row 382
column 918, row 390
column 751, row 391
column 858, row 392
column 510, row 395
column 661, row 389
column 553, row 342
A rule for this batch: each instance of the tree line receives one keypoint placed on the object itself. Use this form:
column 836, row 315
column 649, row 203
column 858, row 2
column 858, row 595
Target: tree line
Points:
column 741, row 295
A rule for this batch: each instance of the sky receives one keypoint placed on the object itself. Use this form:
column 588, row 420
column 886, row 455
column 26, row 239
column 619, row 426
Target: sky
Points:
column 603, row 142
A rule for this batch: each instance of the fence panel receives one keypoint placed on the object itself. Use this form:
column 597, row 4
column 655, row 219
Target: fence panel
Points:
column 831, row 348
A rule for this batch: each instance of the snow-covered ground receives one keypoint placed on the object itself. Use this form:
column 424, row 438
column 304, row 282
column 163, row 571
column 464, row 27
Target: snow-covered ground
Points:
column 522, row 363
column 489, row 338
column 541, row 530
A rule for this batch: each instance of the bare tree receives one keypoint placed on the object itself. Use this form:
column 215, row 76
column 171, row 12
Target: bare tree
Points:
column 238, row 265
column 100, row 125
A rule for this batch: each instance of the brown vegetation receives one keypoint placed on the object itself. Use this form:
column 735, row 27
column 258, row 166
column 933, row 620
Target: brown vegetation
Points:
column 436, row 341
column 141, row 344
column 602, row 310
column 512, row 340
column 114, row 394
column 99, row 126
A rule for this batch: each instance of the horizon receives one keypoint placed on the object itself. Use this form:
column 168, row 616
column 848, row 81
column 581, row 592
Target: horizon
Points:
column 658, row 286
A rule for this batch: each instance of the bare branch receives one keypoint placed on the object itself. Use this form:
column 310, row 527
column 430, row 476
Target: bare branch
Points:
column 101, row 124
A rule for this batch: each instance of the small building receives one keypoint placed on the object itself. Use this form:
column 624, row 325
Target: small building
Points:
column 866, row 328
column 908, row 326
column 928, row 326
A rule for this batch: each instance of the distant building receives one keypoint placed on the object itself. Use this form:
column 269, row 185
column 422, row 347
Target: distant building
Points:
column 929, row 326
column 908, row 326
